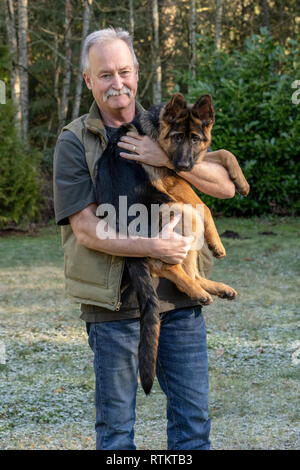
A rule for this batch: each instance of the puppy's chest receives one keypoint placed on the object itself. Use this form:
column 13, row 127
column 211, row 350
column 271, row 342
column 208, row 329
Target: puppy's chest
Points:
column 158, row 176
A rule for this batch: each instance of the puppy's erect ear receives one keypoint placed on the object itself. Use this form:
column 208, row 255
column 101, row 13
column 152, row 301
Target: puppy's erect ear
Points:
column 204, row 110
column 176, row 109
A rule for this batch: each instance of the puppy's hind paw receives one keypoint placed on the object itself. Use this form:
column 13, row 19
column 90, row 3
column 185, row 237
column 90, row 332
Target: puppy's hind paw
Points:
column 227, row 292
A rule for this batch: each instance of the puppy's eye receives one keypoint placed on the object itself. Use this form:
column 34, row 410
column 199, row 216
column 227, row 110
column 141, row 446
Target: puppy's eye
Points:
column 178, row 138
column 195, row 138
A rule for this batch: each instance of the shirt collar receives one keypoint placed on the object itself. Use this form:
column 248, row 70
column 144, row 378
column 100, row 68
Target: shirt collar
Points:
column 94, row 121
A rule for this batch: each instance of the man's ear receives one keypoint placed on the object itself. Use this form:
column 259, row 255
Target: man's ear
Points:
column 204, row 110
column 87, row 80
column 176, row 109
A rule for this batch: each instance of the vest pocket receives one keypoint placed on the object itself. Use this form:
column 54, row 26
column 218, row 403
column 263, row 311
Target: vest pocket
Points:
column 88, row 266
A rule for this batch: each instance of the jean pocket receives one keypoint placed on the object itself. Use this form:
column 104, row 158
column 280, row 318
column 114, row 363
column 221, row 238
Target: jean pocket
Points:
column 198, row 311
column 91, row 334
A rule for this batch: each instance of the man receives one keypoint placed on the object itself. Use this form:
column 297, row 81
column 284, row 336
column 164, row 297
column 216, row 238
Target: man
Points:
column 94, row 268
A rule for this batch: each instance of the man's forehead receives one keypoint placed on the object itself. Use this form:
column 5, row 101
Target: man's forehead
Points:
column 110, row 52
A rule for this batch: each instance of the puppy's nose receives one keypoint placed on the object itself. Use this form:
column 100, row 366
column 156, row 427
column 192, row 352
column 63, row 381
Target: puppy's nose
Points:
column 183, row 166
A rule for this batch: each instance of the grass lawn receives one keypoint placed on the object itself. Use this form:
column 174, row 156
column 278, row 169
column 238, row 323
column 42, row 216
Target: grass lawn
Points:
column 47, row 381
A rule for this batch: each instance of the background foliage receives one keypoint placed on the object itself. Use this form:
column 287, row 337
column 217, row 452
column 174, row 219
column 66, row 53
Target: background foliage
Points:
column 19, row 174
column 20, row 192
column 249, row 74
column 255, row 119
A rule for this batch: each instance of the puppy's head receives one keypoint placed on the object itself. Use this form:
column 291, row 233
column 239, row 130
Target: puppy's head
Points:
column 185, row 130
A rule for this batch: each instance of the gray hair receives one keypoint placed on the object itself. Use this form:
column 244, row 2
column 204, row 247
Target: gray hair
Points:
column 103, row 36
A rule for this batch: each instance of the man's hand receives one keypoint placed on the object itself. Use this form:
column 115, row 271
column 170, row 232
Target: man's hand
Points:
column 144, row 149
column 209, row 177
column 171, row 247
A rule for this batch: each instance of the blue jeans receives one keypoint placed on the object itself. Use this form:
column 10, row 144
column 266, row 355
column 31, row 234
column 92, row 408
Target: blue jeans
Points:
column 182, row 372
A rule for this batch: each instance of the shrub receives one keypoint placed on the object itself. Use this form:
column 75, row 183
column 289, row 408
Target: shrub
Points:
column 18, row 173
column 255, row 119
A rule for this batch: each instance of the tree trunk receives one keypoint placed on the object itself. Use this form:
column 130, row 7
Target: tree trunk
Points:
column 193, row 39
column 85, row 28
column 57, row 72
column 131, row 18
column 15, row 73
column 266, row 16
column 242, row 17
column 23, row 63
column 157, row 97
column 168, row 41
column 68, row 66
column 219, row 6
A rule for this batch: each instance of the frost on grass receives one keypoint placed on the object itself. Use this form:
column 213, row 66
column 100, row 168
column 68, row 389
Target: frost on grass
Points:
column 47, row 380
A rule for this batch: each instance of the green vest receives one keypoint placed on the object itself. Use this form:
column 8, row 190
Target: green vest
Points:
column 93, row 277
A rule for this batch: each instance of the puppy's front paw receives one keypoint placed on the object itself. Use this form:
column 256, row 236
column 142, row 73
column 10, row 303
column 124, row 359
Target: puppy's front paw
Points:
column 218, row 251
column 243, row 189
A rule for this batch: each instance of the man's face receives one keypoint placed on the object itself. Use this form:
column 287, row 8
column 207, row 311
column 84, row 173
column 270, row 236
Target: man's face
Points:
column 111, row 71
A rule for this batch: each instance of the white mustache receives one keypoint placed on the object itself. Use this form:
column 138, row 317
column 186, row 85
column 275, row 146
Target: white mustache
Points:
column 111, row 92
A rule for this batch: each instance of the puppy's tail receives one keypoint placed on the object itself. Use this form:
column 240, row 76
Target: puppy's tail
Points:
column 149, row 323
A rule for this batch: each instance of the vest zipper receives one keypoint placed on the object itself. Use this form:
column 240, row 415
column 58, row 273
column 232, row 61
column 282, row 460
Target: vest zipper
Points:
column 119, row 303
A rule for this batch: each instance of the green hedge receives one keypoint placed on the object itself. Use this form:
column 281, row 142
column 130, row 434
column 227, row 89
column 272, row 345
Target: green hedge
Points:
column 255, row 119
column 19, row 173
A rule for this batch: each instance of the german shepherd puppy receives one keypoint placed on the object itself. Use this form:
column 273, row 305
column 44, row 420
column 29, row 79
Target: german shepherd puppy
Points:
column 184, row 133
